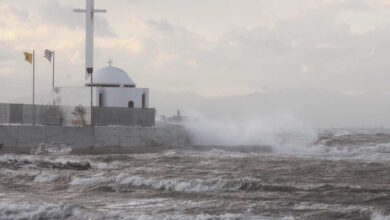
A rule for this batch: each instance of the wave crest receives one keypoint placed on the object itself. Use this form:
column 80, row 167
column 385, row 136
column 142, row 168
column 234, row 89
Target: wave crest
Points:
column 124, row 182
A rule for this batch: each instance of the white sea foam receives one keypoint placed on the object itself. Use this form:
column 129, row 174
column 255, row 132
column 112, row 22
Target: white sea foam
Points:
column 123, row 181
column 285, row 135
column 36, row 210
column 284, row 132
column 194, row 185
column 107, row 166
column 27, row 211
column 226, row 216
column 379, row 216
column 376, row 152
column 97, row 180
column 46, row 177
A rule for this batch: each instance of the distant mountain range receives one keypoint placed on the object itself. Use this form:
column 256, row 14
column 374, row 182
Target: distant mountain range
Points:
column 322, row 108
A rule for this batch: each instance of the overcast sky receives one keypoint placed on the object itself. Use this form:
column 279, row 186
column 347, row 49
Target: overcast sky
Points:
column 209, row 47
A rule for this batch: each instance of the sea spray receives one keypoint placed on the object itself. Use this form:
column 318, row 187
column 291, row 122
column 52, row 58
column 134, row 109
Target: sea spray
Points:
column 284, row 133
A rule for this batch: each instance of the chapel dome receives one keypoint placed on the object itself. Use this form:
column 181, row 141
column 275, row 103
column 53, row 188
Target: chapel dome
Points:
column 110, row 77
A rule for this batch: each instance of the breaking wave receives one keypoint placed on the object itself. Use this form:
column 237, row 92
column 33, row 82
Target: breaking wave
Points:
column 194, row 185
column 125, row 182
column 379, row 216
column 287, row 135
column 46, row 177
column 25, row 211
column 28, row 210
column 284, row 132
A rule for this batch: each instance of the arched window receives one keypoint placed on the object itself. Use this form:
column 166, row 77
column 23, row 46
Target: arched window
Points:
column 131, row 104
column 143, row 101
column 100, row 100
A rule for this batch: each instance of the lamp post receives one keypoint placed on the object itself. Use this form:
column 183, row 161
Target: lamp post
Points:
column 90, row 72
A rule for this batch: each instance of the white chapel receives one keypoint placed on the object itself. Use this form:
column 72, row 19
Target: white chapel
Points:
column 113, row 87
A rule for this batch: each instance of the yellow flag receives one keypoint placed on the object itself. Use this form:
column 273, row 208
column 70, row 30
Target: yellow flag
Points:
column 28, row 57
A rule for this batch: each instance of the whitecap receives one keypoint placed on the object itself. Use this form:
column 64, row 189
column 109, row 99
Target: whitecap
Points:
column 46, row 177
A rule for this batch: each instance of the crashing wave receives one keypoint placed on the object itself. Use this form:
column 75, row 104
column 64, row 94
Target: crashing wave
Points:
column 124, row 182
column 27, row 211
column 379, row 216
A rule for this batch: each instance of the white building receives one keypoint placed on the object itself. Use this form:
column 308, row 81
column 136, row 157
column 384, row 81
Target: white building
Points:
column 112, row 87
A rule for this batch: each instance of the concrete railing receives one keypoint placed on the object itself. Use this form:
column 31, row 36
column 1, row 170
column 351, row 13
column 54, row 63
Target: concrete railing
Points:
column 62, row 115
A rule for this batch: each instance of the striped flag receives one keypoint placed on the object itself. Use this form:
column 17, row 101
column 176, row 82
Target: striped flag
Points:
column 48, row 55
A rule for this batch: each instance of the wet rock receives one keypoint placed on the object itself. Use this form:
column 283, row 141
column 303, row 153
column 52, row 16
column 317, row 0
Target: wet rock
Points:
column 18, row 164
column 14, row 164
column 78, row 166
column 67, row 166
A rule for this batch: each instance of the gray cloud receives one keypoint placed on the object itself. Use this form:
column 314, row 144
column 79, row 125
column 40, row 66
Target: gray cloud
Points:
column 21, row 15
column 161, row 26
column 8, row 52
column 56, row 13
column 350, row 5
column 310, row 50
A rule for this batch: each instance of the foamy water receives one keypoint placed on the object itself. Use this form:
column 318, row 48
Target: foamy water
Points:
column 336, row 175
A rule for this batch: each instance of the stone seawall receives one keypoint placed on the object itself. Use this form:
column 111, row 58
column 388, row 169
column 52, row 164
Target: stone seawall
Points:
column 19, row 139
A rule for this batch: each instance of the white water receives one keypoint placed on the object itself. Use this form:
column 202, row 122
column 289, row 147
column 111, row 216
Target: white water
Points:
column 26, row 210
column 379, row 216
column 284, row 132
column 123, row 181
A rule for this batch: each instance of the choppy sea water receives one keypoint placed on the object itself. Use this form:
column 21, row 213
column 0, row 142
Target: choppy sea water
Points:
column 339, row 175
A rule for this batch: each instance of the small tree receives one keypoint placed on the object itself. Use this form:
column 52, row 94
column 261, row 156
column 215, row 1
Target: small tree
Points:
column 80, row 112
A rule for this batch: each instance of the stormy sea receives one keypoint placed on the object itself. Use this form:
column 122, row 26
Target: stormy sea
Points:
column 337, row 174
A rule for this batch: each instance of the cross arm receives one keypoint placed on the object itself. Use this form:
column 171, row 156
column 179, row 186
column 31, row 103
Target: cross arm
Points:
column 79, row 10
column 100, row 10
column 95, row 10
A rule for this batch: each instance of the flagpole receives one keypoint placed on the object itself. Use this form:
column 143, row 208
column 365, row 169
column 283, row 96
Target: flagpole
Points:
column 92, row 119
column 33, row 88
column 54, row 102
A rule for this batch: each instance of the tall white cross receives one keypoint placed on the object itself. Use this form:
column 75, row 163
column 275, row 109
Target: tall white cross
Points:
column 89, row 37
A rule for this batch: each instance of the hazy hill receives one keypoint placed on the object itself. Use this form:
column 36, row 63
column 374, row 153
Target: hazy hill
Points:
column 322, row 108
